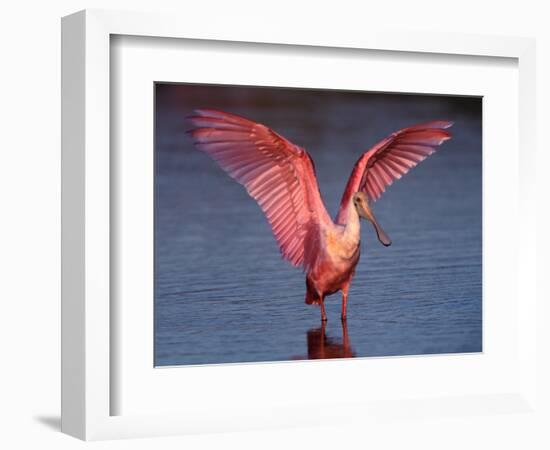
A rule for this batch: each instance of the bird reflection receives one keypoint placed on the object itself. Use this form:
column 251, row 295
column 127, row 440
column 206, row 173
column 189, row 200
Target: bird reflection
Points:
column 321, row 346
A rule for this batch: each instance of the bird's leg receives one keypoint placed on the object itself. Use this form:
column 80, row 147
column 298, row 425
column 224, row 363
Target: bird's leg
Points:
column 345, row 289
column 344, row 306
column 345, row 339
column 323, row 312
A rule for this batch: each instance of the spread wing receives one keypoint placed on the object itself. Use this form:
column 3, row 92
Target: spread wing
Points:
column 392, row 158
column 279, row 175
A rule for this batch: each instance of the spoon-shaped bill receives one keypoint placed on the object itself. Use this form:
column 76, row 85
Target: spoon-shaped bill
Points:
column 365, row 212
column 380, row 233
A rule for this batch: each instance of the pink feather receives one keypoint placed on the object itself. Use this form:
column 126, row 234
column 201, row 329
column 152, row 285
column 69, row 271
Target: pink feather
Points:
column 276, row 173
column 392, row 158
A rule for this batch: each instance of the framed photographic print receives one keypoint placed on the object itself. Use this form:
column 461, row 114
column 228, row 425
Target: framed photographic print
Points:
column 248, row 214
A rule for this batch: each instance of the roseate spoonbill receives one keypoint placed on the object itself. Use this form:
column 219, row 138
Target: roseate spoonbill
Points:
column 280, row 176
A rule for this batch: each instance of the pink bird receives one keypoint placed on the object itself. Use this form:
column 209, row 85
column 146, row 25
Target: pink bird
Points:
column 280, row 176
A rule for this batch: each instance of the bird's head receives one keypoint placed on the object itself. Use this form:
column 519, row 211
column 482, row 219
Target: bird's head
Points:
column 361, row 204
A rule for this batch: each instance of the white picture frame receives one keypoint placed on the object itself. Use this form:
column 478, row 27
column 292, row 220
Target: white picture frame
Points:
column 87, row 329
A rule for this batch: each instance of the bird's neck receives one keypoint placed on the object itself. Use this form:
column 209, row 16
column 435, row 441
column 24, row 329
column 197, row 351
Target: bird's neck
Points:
column 352, row 224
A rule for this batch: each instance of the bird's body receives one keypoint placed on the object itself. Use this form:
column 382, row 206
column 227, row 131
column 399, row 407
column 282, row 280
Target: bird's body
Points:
column 334, row 266
column 280, row 176
column 336, row 261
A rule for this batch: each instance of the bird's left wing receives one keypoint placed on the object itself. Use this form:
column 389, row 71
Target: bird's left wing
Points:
column 392, row 158
column 278, row 174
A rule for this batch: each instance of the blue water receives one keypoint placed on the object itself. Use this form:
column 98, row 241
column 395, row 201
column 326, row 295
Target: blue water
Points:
column 224, row 295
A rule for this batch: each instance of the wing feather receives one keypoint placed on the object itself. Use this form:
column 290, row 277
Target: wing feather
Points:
column 278, row 174
column 391, row 158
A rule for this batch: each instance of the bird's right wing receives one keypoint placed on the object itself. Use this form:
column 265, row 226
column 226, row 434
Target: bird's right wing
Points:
column 392, row 158
column 279, row 175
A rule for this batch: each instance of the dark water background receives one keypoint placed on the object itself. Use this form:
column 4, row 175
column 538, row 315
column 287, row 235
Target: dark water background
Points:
column 222, row 292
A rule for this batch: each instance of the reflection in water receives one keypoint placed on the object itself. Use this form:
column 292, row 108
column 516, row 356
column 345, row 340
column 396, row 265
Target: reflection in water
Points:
column 321, row 346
